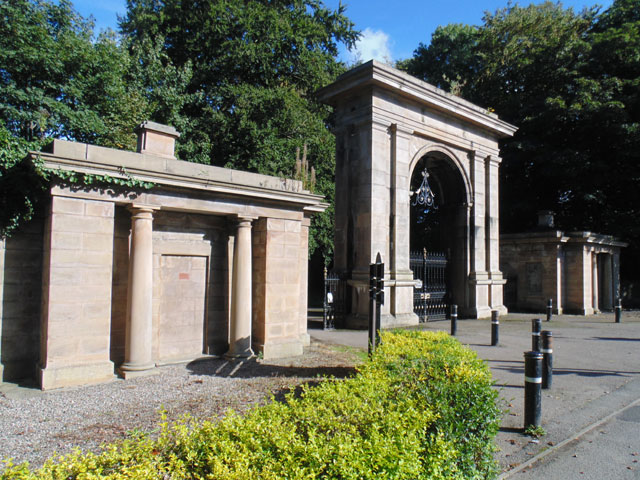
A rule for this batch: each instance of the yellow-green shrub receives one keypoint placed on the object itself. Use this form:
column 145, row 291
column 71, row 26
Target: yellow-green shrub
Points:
column 421, row 408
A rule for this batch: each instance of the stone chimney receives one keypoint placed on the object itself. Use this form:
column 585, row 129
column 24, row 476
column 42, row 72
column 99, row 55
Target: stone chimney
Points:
column 546, row 219
column 157, row 139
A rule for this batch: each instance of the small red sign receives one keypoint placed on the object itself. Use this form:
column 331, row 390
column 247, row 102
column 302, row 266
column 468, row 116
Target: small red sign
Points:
column 183, row 276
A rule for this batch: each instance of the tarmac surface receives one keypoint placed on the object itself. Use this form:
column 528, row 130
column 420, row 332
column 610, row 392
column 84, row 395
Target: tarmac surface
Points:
column 591, row 414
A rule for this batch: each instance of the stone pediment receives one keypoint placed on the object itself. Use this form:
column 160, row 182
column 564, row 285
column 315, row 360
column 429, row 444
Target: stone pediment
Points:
column 378, row 74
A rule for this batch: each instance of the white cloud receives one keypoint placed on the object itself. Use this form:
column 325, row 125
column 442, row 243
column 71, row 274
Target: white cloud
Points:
column 371, row 45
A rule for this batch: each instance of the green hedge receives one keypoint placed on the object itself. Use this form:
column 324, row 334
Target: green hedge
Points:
column 421, row 408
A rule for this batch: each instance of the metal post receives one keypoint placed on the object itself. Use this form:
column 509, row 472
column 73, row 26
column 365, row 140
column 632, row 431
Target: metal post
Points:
column 549, row 309
column 454, row 319
column 324, row 302
column 532, row 389
column 495, row 325
column 618, row 310
column 379, row 296
column 547, row 358
column 372, row 308
column 536, row 326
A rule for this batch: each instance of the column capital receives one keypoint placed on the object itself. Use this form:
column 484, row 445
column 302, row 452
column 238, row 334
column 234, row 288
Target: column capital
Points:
column 493, row 160
column 245, row 220
column 138, row 208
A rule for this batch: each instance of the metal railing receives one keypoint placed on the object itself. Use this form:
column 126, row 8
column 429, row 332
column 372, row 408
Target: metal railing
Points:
column 430, row 299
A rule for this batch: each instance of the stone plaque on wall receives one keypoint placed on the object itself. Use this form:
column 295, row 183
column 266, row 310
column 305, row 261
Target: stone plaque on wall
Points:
column 534, row 278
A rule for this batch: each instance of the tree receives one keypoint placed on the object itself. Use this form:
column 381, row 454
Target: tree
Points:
column 55, row 81
column 569, row 81
column 255, row 66
column 450, row 60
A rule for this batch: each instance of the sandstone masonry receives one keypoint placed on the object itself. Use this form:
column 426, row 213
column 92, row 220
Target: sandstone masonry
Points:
column 210, row 261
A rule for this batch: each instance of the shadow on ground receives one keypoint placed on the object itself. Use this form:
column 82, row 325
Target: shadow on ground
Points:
column 252, row 368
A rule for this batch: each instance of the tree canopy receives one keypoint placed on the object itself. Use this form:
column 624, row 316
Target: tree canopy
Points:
column 235, row 78
column 570, row 82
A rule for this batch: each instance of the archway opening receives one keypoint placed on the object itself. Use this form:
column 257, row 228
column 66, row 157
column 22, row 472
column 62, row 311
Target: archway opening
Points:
column 438, row 238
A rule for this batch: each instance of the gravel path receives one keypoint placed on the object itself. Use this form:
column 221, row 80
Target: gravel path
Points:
column 36, row 425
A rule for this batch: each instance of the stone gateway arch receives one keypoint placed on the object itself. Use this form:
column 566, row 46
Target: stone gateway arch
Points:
column 393, row 132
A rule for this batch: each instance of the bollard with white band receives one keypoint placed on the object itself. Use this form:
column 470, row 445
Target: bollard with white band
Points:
column 547, row 358
column 618, row 310
column 536, row 326
column 549, row 309
column 532, row 389
column 495, row 325
column 454, row 320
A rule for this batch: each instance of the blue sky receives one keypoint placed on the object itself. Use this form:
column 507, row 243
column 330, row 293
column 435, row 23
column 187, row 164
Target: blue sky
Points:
column 391, row 31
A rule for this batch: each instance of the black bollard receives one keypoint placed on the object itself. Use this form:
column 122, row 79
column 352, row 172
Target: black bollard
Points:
column 532, row 390
column 495, row 325
column 618, row 310
column 379, row 296
column 454, row 320
column 547, row 358
column 536, row 326
column 549, row 309
column 372, row 308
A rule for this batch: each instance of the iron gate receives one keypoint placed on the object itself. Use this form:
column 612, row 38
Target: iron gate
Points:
column 335, row 300
column 430, row 300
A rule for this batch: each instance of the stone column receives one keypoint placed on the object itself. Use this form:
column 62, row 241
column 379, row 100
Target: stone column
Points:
column 240, row 327
column 400, row 281
column 615, row 273
column 493, row 235
column 595, row 287
column 304, row 279
column 479, row 277
column 138, row 358
column 607, row 282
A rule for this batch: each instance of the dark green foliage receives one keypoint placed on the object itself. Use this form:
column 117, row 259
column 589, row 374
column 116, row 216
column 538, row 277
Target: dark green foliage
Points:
column 235, row 78
column 570, row 82
column 255, row 66
column 55, row 81
column 19, row 189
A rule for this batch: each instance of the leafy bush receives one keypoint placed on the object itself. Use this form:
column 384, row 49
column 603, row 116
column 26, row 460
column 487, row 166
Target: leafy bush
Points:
column 421, row 408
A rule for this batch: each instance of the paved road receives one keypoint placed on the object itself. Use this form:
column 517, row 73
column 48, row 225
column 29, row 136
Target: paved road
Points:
column 609, row 451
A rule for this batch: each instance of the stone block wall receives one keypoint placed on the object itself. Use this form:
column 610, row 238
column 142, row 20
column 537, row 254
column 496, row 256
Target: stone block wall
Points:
column 276, row 247
column 578, row 268
column 190, row 286
column 20, row 294
column 119, row 285
column 532, row 271
column 76, row 283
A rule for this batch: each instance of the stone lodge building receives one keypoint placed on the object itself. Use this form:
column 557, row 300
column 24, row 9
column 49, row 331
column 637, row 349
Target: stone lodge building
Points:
column 209, row 261
column 579, row 271
column 393, row 133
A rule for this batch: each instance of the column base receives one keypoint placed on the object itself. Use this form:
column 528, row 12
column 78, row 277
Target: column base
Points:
column 399, row 320
column 282, row 349
column 73, row 375
column 240, row 348
column 239, row 355
column 387, row 320
column 129, row 374
column 478, row 312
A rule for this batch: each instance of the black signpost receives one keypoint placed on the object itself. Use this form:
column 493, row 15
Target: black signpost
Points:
column 376, row 300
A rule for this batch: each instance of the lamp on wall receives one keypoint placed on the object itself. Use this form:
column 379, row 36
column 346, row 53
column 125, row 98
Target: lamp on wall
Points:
column 424, row 198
